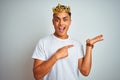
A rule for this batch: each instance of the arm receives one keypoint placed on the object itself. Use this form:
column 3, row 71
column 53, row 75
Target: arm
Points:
column 85, row 63
column 41, row 68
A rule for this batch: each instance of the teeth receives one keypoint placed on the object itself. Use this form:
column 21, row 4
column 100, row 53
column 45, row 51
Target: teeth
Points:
column 61, row 27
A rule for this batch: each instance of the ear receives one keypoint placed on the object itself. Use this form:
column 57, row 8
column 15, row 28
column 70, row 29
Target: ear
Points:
column 70, row 21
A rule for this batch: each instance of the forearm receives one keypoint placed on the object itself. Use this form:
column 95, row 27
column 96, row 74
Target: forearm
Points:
column 42, row 69
column 87, row 61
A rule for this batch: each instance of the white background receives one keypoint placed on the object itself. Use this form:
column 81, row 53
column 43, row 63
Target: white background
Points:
column 24, row 22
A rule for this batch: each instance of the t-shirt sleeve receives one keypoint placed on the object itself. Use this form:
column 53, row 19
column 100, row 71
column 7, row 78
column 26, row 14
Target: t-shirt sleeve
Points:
column 81, row 51
column 39, row 52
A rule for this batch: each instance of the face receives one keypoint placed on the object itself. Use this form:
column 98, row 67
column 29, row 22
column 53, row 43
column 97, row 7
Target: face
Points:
column 61, row 22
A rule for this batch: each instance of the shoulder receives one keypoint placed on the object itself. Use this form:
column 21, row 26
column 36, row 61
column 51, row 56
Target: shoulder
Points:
column 45, row 40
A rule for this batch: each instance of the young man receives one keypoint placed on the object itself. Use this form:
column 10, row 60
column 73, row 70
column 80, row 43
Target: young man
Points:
column 57, row 57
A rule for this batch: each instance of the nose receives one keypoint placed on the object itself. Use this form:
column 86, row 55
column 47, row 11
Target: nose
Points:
column 61, row 22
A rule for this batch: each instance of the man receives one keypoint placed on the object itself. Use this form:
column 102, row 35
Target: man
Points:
column 57, row 57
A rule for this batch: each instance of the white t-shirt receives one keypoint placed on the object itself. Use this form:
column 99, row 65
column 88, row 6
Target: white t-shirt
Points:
column 63, row 69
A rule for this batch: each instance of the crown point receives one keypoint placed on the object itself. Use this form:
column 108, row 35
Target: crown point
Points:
column 61, row 8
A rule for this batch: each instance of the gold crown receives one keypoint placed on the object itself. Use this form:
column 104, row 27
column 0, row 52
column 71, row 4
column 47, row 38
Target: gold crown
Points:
column 61, row 8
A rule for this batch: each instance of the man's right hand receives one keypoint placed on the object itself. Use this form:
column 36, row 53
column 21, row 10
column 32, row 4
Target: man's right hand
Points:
column 63, row 52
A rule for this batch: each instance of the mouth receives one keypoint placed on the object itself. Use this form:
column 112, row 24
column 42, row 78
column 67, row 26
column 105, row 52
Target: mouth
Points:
column 61, row 29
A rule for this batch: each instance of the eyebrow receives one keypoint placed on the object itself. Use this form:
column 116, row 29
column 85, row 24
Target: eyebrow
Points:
column 56, row 17
column 59, row 18
column 65, row 17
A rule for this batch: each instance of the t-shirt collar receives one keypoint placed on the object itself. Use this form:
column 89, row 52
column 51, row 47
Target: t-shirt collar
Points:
column 60, row 38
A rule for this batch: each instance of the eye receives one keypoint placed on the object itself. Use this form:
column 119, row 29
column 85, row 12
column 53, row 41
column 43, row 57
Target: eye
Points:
column 56, row 19
column 65, row 19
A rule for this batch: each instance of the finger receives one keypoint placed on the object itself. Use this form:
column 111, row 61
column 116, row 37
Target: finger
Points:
column 88, row 40
column 100, row 37
column 69, row 46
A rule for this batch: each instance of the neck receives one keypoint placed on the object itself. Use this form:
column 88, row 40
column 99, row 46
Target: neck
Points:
column 61, row 37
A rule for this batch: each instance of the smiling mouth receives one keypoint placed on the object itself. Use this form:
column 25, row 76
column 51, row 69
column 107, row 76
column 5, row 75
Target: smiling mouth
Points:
column 61, row 29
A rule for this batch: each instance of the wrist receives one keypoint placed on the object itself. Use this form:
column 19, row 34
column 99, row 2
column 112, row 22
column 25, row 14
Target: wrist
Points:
column 56, row 56
column 89, row 45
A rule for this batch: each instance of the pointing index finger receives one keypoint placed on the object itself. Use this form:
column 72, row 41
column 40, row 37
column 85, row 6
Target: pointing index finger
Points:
column 69, row 46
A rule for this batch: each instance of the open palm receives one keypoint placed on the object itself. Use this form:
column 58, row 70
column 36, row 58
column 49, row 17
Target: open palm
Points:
column 95, row 39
